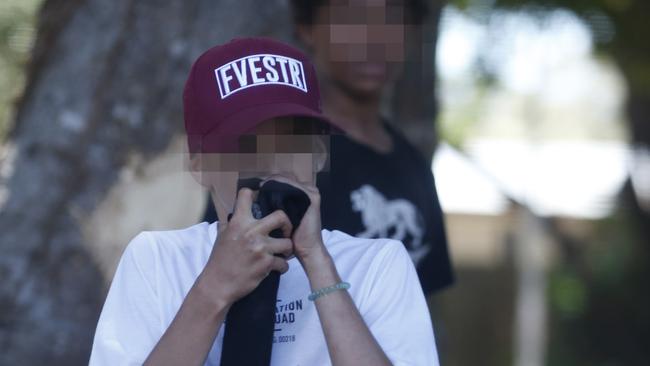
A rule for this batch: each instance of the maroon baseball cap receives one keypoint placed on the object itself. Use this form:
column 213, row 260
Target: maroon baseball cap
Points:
column 235, row 86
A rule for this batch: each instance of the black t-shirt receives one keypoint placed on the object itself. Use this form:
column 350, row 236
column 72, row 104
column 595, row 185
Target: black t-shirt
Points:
column 392, row 195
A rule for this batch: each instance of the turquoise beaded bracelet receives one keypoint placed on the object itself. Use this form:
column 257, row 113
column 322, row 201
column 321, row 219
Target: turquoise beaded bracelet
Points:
column 326, row 290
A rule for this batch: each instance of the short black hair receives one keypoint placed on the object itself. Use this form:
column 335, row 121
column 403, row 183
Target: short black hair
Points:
column 304, row 11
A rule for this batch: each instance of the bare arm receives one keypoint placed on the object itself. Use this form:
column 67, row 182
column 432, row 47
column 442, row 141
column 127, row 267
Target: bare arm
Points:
column 241, row 258
column 349, row 341
column 191, row 334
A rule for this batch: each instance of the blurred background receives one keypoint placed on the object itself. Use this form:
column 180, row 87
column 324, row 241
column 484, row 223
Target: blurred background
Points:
column 537, row 124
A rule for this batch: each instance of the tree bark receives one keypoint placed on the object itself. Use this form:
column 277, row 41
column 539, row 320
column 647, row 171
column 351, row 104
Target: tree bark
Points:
column 106, row 82
column 413, row 102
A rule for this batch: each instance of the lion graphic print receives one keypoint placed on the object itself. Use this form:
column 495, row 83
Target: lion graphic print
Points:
column 396, row 219
column 373, row 194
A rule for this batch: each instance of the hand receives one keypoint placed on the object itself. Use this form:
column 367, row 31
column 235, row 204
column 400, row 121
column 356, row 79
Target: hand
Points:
column 244, row 252
column 307, row 238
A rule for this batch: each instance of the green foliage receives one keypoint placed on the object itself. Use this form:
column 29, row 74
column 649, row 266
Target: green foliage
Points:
column 568, row 294
column 599, row 306
column 17, row 21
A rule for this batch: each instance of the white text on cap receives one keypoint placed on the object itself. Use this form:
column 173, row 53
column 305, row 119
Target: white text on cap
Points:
column 258, row 70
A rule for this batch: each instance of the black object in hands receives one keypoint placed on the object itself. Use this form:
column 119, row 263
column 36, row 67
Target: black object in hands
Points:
column 250, row 322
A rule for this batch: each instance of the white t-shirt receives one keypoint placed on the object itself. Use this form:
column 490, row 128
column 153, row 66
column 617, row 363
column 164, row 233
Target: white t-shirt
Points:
column 158, row 268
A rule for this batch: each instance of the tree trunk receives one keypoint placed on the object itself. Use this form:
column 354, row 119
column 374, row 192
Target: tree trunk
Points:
column 104, row 91
column 105, row 84
column 413, row 102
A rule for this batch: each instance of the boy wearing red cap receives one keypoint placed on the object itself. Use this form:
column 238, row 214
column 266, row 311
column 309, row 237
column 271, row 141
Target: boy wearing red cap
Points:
column 251, row 110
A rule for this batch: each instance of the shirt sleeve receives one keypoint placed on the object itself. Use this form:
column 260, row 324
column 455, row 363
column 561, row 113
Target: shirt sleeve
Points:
column 129, row 325
column 397, row 313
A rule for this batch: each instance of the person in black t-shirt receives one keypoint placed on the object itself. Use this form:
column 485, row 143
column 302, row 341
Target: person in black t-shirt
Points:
column 378, row 185
column 371, row 194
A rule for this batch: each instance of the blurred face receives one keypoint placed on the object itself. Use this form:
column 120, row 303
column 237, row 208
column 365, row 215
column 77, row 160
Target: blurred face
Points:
column 358, row 45
column 285, row 146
